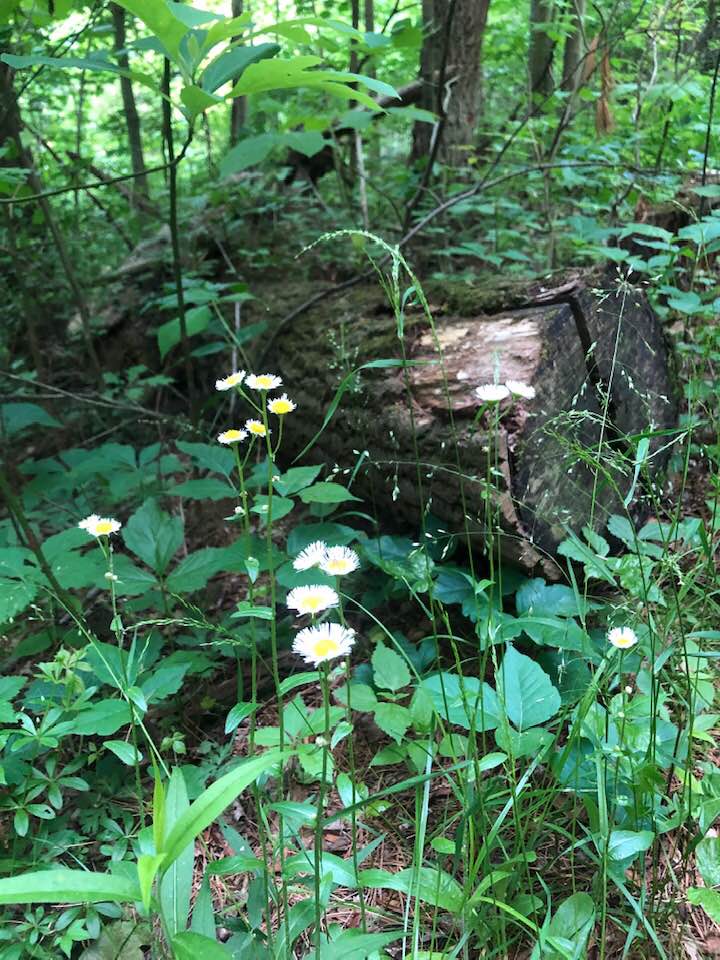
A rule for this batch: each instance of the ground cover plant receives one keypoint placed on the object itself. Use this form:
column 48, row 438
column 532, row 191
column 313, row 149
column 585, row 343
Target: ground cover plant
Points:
column 358, row 550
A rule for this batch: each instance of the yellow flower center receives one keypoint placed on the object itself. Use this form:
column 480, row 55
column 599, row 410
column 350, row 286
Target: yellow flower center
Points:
column 233, row 435
column 264, row 382
column 327, row 647
column 257, row 428
column 104, row 527
column 313, row 602
column 337, row 566
column 233, row 379
column 281, row 406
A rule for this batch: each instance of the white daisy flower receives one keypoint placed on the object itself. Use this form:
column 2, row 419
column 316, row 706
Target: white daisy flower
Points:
column 318, row 644
column 256, row 427
column 520, row 389
column 234, row 380
column 622, row 637
column 492, row 392
column 312, row 556
column 339, row 561
column 99, row 526
column 281, row 405
column 232, row 436
column 263, row 381
column 313, row 599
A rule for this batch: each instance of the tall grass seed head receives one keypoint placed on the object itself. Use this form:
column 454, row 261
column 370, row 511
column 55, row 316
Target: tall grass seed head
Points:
column 312, row 556
column 324, row 642
column 99, row 526
column 263, row 381
column 233, row 380
column 339, row 561
column 232, row 436
column 313, row 599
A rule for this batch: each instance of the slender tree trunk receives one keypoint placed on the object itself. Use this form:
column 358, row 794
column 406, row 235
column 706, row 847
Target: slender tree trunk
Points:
column 575, row 49
column 238, row 109
column 540, row 51
column 132, row 120
column 11, row 122
column 450, row 68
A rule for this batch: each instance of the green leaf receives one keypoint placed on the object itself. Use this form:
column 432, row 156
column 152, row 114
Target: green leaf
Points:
column 203, row 916
column 525, row 690
column 67, row 886
column 210, row 457
column 191, row 946
column 197, row 320
column 153, row 536
column 124, row 751
column 214, row 800
column 707, row 858
column 102, row 719
column 197, row 101
column 709, row 900
column 356, row 945
column 627, row 844
column 296, row 479
column 434, row 886
column 463, row 702
column 326, row 492
column 239, row 713
column 390, row 670
column 156, row 16
column 207, row 488
column 392, row 719
column 281, row 506
column 247, row 152
column 194, row 571
column 15, row 596
column 15, row 417
column 147, row 868
column 232, row 63
column 175, row 885
column 122, row 940
column 572, row 924
column 542, row 600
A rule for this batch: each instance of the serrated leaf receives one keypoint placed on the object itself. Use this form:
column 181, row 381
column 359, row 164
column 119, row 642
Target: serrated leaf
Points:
column 390, row 670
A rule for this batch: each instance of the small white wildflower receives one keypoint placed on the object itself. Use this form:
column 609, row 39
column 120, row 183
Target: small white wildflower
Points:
column 240, row 511
column 112, row 576
column 263, row 381
column 313, row 599
column 339, row 561
column 628, row 691
column 312, row 556
column 256, row 428
column 281, row 405
column 520, row 389
column 99, row 526
column 232, row 436
column 492, row 392
column 325, row 642
column 234, row 380
column 622, row 637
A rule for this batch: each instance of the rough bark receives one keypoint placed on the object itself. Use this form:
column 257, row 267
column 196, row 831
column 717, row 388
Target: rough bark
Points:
column 132, row 120
column 542, row 339
column 574, row 50
column 540, row 51
column 454, row 31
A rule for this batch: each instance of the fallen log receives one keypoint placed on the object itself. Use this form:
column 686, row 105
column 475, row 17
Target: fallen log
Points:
column 593, row 351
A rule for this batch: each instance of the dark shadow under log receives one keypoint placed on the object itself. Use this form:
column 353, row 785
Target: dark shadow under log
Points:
column 595, row 354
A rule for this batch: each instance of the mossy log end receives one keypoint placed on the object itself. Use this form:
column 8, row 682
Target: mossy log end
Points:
column 595, row 354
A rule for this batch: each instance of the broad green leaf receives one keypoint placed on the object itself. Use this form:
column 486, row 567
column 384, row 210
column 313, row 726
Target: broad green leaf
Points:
column 393, row 720
column 326, row 492
column 15, row 596
column 231, row 64
column 296, row 479
column 175, row 884
column 203, row 915
column 153, row 536
column 189, row 945
column 68, row 886
column 627, row 844
column 197, row 320
column 212, row 801
column 571, row 924
column 429, row 884
column 239, row 713
column 247, row 152
column 197, row 101
column 525, row 690
column 123, row 751
column 210, row 457
column 15, row 417
column 707, row 858
column 207, row 488
column 540, row 599
column 102, row 719
column 708, row 899
column 356, row 945
column 194, row 571
column 147, row 868
column 122, row 940
column 390, row 670
column 465, row 703
column 157, row 17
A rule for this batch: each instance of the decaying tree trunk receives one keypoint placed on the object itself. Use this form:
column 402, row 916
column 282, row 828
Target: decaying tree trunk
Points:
column 575, row 345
